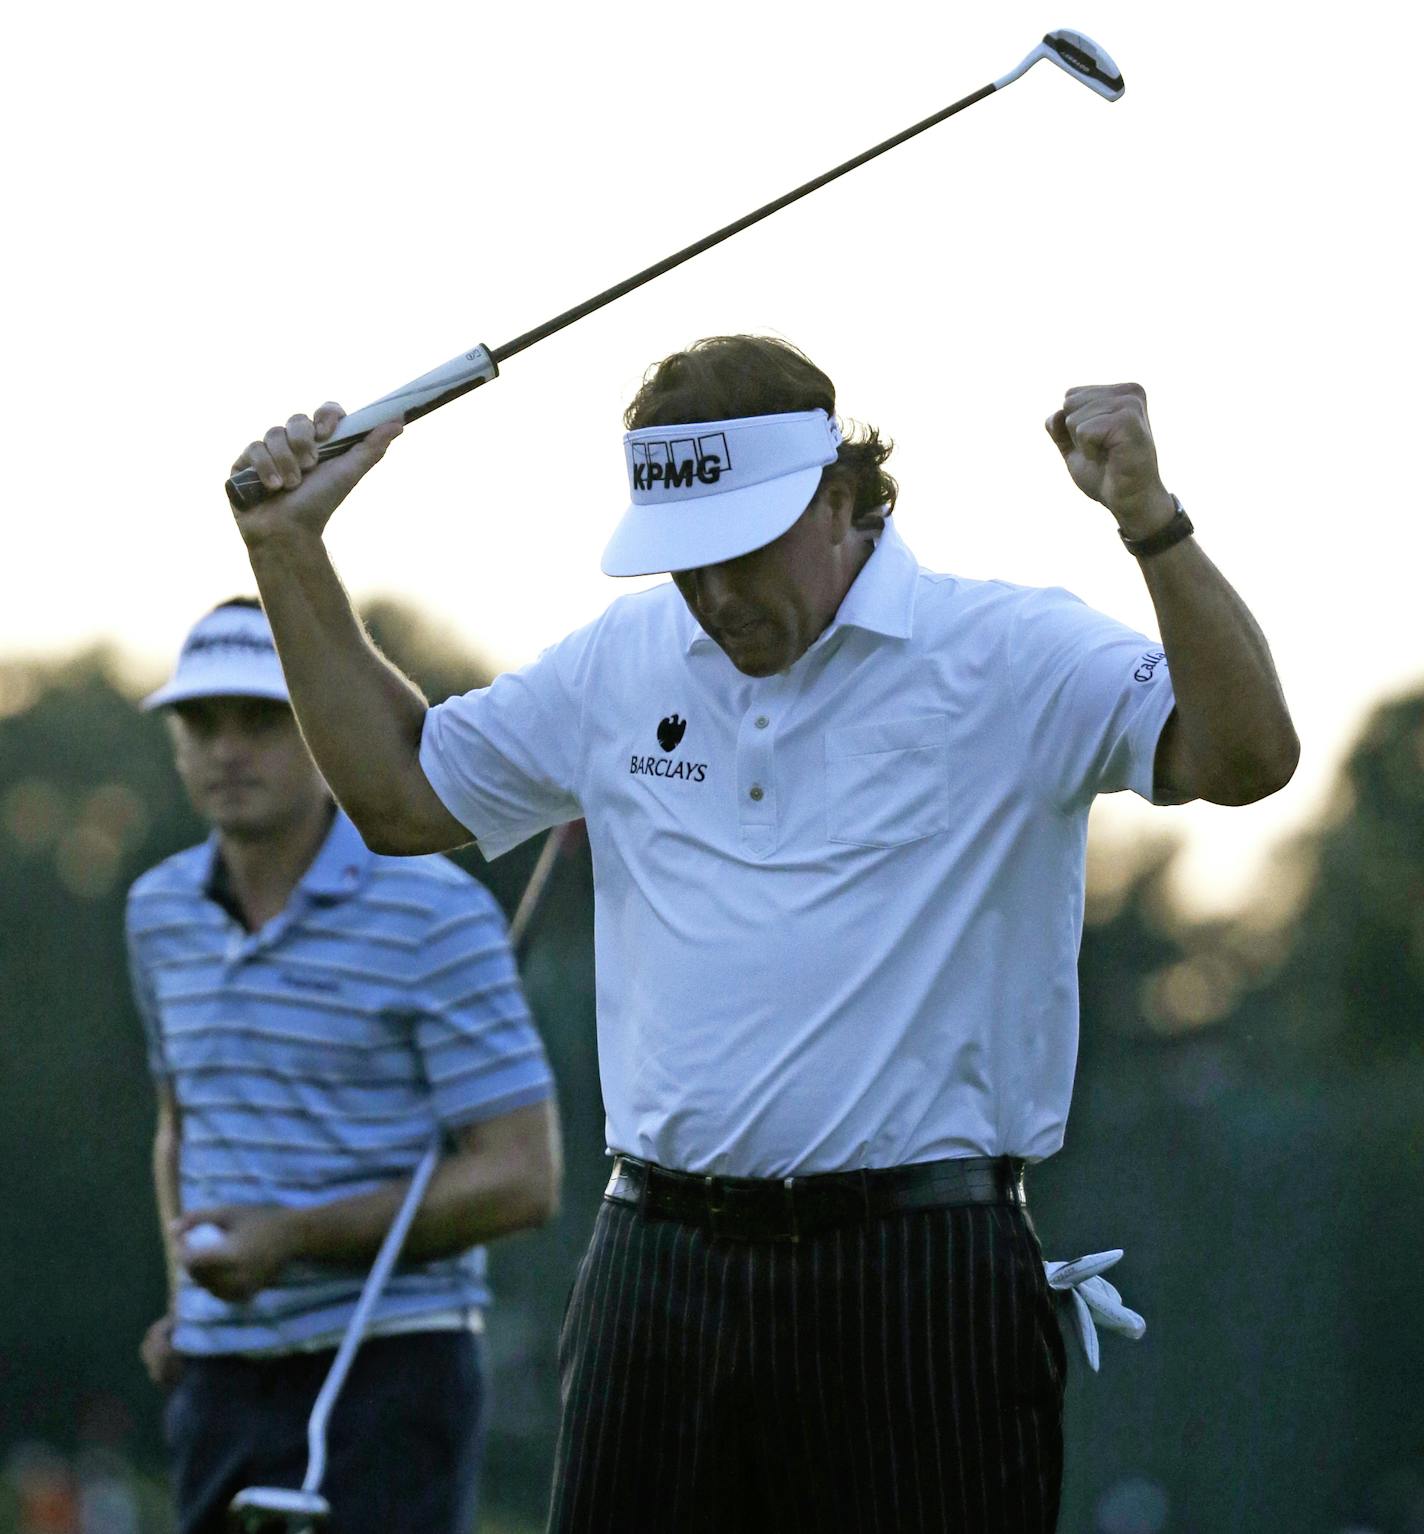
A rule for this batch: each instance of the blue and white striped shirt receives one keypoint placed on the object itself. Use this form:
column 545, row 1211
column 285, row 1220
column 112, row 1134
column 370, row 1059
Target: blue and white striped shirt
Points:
column 316, row 1059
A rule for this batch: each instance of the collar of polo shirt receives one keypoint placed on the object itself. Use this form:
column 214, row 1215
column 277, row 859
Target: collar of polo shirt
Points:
column 339, row 868
column 710, row 491
column 881, row 599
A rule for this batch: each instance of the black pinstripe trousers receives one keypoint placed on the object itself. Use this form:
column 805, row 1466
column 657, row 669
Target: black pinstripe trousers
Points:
column 899, row 1375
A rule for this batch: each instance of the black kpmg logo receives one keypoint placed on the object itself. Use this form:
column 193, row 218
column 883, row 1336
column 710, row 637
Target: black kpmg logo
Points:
column 678, row 462
column 1148, row 665
column 670, row 733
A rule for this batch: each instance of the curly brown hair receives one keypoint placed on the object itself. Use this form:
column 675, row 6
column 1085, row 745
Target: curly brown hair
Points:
column 722, row 377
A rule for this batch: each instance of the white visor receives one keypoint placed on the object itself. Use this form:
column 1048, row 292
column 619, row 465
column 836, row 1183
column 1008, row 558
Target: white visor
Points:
column 228, row 654
column 714, row 490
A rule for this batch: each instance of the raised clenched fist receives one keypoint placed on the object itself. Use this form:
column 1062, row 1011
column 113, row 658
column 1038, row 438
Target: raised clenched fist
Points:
column 1106, row 441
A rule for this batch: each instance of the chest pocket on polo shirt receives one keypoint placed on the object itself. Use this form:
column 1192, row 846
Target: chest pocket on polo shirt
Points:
column 888, row 783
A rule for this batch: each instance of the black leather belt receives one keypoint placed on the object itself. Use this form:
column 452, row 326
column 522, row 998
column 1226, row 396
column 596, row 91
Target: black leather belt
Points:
column 784, row 1209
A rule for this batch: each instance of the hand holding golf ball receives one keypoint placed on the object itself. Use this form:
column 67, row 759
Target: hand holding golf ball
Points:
column 235, row 1250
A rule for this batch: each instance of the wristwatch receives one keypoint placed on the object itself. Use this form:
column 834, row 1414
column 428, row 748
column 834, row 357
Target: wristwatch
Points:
column 1178, row 528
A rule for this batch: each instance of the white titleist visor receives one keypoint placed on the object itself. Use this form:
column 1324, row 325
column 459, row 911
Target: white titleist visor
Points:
column 713, row 490
column 229, row 654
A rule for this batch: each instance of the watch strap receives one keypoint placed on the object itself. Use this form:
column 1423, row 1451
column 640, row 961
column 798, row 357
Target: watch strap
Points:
column 1154, row 543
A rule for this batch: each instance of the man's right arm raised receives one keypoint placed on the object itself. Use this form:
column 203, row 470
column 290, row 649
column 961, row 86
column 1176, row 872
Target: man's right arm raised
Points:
column 362, row 719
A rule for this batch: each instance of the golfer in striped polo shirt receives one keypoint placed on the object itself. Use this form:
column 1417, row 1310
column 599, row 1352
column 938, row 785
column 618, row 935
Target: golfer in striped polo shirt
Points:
column 838, row 806
column 316, row 1015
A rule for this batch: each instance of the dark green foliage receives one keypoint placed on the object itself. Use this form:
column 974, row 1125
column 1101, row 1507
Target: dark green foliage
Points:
column 87, row 800
column 1356, row 968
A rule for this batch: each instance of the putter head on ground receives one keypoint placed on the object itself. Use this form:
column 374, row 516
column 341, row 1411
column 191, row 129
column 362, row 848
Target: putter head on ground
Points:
column 278, row 1510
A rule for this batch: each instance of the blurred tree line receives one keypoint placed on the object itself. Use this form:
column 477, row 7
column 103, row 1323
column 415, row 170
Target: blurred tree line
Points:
column 1247, row 1126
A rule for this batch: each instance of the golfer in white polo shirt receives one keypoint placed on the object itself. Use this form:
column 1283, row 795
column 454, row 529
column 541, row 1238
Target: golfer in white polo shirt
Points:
column 838, row 806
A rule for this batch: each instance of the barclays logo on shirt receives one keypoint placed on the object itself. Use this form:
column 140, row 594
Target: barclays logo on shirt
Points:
column 670, row 733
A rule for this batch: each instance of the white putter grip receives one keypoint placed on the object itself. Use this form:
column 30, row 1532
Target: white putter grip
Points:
column 419, row 397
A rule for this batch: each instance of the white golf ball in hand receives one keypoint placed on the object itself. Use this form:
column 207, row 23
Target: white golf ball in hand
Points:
column 203, row 1239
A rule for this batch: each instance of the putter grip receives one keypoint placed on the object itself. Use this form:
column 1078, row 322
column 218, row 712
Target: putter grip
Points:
column 417, row 398
column 245, row 489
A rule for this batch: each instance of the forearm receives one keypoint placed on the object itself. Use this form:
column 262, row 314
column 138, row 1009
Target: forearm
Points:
column 1236, row 730
column 470, row 1200
column 361, row 718
column 1231, row 739
column 165, row 1189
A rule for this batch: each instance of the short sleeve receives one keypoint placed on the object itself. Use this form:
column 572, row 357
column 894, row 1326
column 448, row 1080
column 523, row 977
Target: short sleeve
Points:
column 478, row 1047
column 1093, row 697
column 505, row 759
column 145, row 1002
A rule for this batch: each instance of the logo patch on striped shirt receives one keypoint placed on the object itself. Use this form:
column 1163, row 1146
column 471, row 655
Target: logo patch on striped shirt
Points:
column 321, row 983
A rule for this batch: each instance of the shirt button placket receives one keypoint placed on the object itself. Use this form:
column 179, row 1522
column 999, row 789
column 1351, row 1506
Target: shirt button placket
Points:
column 756, row 781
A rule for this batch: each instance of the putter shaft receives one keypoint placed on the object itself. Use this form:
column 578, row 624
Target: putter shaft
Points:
column 1076, row 54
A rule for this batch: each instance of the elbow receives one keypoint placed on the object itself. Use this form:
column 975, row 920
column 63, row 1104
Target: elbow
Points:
column 1263, row 774
column 544, row 1208
column 383, row 837
column 379, row 828
column 530, row 1203
column 526, row 1192
column 401, row 817
column 385, row 830
column 543, row 1190
column 1289, row 757
column 515, row 1171
column 1273, row 774
column 541, row 1187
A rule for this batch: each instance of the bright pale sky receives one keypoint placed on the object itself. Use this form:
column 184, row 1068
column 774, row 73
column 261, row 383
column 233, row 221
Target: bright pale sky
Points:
column 221, row 215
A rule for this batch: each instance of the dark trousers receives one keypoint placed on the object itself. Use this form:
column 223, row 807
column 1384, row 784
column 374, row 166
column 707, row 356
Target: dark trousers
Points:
column 902, row 1374
column 403, row 1443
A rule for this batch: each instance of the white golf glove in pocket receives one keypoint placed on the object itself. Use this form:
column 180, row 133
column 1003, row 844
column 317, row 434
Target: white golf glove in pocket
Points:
column 1093, row 1300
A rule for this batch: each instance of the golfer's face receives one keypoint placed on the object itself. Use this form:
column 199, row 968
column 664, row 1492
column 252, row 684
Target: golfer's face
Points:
column 243, row 763
column 766, row 608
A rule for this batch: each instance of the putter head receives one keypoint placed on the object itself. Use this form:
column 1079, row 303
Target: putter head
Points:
column 277, row 1510
column 1078, row 56
column 1082, row 58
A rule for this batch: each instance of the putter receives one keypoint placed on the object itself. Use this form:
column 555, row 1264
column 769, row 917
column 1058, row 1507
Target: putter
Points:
column 280, row 1509
column 1077, row 55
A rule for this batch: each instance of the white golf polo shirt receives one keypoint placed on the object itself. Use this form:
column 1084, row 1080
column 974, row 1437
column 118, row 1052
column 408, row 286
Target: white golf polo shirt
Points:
column 837, row 910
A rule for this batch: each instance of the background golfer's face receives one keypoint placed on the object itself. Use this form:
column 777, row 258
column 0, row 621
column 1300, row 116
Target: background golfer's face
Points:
column 766, row 608
column 244, row 764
